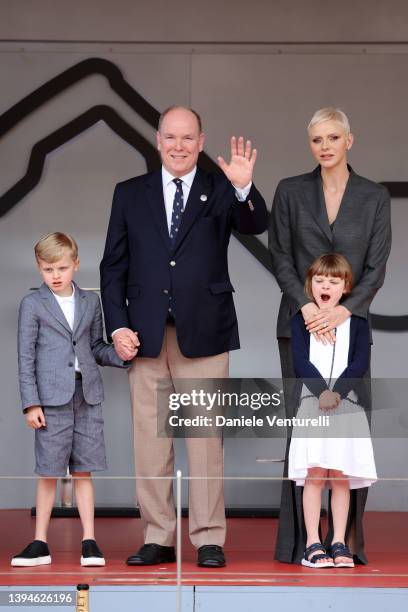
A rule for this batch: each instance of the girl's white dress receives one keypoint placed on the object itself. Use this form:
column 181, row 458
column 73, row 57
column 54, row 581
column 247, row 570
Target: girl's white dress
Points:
column 351, row 450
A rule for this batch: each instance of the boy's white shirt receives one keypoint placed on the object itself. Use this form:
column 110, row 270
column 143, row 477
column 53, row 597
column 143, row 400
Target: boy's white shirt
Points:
column 67, row 305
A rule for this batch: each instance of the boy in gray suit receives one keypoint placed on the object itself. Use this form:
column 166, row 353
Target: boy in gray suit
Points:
column 60, row 343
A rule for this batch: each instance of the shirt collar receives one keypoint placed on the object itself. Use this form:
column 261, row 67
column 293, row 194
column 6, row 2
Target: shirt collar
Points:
column 187, row 178
column 67, row 298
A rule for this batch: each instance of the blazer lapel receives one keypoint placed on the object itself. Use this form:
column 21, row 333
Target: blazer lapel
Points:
column 52, row 306
column 154, row 191
column 313, row 193
column 81, row 305
column 195, row 206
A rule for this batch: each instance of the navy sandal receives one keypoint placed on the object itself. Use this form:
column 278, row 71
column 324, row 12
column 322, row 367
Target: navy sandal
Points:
column 338, row 549
column 320, row 553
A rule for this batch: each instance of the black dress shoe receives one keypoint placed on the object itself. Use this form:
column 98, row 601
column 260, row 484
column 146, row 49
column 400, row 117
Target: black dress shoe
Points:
column 152, row 554
column 210, row 555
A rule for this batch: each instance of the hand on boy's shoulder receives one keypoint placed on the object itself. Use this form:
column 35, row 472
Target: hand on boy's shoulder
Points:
column 35, row 417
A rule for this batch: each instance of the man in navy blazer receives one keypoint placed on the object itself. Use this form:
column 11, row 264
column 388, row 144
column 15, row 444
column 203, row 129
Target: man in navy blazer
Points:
column 166, row 291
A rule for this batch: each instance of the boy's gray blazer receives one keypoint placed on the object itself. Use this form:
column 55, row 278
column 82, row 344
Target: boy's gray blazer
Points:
column 47, row 348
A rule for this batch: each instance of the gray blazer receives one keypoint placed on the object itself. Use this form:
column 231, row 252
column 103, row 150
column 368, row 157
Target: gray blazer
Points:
column 47, row 348
column 299, row 232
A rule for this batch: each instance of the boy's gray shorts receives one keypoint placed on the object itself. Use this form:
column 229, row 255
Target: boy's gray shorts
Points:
column 73, row 437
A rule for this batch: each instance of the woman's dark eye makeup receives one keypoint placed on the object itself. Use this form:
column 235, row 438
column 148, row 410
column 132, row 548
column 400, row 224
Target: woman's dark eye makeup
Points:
column 331, row 136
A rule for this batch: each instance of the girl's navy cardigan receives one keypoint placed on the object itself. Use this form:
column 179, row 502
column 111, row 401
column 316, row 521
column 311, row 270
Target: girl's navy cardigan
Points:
column 358, row 358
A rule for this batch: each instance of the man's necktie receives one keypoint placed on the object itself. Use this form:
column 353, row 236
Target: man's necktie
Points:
column 178, row 208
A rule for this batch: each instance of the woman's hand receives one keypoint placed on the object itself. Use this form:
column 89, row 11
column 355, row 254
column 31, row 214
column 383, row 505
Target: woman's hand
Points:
column 310, row 312
column 326, row 320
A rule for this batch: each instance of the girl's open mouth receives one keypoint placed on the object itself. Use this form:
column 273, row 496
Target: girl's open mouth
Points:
column 325, row 297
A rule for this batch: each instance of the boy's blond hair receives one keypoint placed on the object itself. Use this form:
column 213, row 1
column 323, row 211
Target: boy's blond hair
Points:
column 54, row 246
column 329, row 264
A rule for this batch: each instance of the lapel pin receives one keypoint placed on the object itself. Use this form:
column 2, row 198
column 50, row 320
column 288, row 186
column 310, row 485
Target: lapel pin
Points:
column 251, row 206
column 203, row 197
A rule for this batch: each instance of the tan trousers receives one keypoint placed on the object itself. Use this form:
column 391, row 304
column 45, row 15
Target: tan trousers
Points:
column 154, row 456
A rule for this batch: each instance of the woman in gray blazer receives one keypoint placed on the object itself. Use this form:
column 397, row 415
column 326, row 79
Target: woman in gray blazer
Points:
column 331, row 209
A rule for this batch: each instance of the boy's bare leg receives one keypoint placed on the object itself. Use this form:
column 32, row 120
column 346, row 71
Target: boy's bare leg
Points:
column 46, row 488
column 84, row 495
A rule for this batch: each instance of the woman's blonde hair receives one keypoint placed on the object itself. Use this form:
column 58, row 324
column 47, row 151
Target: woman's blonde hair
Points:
column 330, row 113
column 329, row 264
column 55, row 245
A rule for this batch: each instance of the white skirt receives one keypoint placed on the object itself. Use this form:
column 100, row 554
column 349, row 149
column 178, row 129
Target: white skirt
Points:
column 345, row 445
